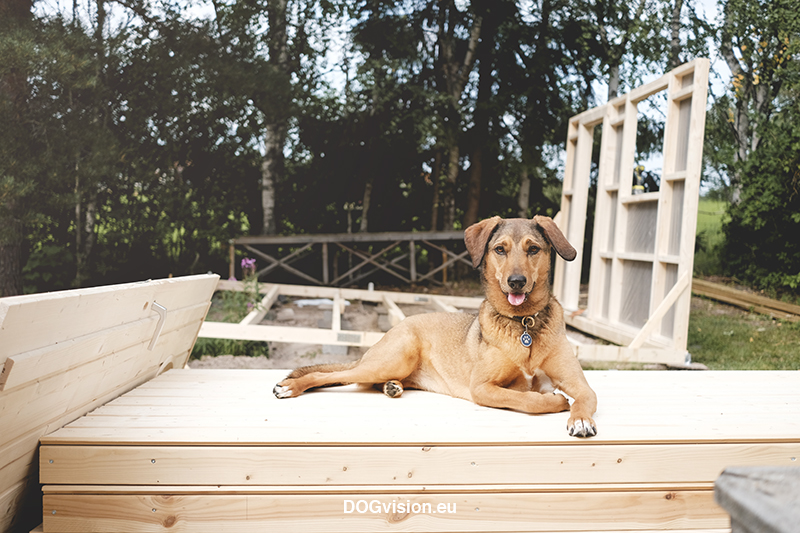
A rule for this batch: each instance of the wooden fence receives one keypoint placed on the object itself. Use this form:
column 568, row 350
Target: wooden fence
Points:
column 344, row 259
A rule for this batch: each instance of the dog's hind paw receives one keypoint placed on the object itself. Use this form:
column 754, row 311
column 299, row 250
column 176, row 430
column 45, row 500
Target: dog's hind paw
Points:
column 282, row 392
column 393, row 388
column 581, row 427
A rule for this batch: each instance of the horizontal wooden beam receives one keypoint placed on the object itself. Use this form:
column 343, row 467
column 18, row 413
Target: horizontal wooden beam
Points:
column 587, row 467
column 427, row 511
column 222, row 330
column 352, row 237
column 305, row 291
column 623, row 354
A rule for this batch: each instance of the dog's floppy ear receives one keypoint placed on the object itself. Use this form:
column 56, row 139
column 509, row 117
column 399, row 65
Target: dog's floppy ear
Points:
column 477, row 236
column 556, row 238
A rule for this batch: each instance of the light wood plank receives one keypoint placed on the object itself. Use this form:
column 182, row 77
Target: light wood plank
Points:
column 38, row 364
column 392, row 465
column 366, row 489
column 624, row 354
column 221, row 330
column 33, row 321
column 405, row 298
column 396, row 315
column 444, row 306
column 634, row 407
column 257, row 315
column 23, row 409
column 326, row 513
column 68, row 352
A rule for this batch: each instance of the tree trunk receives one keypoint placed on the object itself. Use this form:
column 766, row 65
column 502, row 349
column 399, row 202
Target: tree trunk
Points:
column 613, row 81
column 14, row 14
column 436, row 179
column 10, row 256
column 675, row 42
column 85, row 218
column 474, row 187
column 482, row 113
column 271, row 171
column 454, row 73
column 524, row 196
column 451, row 182
column 272, row 167
column 365, row 206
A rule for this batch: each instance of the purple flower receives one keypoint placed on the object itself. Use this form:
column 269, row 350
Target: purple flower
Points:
column 248, row 264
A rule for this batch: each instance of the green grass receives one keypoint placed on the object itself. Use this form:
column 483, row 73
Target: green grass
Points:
column 228, row 306
column 733, row 340
column 710, row 217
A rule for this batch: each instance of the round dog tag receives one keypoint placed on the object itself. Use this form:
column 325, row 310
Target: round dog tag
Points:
column 526, row 339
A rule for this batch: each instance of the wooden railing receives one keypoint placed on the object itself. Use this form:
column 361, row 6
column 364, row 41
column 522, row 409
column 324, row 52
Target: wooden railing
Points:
column 345, row 259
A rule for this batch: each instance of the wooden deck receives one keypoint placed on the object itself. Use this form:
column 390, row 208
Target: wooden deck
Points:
column 213, row 450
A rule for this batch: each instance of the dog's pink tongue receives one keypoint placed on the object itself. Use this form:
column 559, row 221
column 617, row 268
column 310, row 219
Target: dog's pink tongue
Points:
column 516, row 299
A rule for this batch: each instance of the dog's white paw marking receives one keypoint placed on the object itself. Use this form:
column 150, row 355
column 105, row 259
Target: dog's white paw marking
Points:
column 282, row 392
column 582, row 428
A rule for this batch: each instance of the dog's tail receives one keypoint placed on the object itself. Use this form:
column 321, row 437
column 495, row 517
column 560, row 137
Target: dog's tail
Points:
column 331, row 367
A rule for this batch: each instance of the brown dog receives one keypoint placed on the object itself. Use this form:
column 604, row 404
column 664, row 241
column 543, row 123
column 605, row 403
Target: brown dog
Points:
column 513, row 355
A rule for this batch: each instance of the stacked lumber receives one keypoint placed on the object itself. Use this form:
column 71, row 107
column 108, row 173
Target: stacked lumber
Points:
column 746, row 300
column 63, row 354
column 215, row 451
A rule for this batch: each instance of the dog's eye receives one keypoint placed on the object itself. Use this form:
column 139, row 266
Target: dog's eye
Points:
column 499, row 250
column 533, row 250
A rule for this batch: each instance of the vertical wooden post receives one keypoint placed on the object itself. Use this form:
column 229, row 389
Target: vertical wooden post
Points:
column 412, row 254
column 325, row 275
column 231, row 259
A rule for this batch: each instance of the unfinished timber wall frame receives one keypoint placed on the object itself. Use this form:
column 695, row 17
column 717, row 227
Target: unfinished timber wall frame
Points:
column 643, row 244
column 250, row 329
column 395, row 253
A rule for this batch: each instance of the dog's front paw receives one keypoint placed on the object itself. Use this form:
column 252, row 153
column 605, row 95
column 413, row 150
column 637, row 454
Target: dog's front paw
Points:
column 581, row 427
column 282, row 390
column 393, row 389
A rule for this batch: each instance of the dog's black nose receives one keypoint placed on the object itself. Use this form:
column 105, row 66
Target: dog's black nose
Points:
column 516, row 282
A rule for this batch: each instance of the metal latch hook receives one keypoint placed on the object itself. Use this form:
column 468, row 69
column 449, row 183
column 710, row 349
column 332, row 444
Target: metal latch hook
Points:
column 162, row 317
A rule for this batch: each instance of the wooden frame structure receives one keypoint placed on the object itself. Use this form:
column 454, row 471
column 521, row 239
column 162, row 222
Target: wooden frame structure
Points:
column 250, row 329
column 643, row 244
column 390, row 257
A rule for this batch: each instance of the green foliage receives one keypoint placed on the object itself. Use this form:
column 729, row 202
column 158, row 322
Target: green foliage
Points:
column 214, row 347
column 762, row 246
column 708, row 242
column 140, row 148
column 232, row 306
